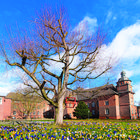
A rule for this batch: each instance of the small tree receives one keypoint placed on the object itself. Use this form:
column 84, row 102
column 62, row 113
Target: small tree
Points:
column 82, row 111
column 24, row 104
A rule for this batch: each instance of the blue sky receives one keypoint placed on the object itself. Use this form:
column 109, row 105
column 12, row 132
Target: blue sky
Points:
column 119, row 19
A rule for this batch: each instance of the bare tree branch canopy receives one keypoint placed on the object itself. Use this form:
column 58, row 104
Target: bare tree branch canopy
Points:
column 55, row 43
column 25, row 102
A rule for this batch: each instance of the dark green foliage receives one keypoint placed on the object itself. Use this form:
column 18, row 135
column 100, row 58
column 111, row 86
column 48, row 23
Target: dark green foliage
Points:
column 82, row 111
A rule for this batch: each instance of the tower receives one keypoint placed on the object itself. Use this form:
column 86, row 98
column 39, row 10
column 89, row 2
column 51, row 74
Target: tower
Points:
column 124, row 84
column 126, row 97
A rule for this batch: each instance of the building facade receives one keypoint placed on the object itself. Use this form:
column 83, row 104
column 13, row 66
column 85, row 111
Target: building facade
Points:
column 107, row 102
column 5, row 107
column 110, row 102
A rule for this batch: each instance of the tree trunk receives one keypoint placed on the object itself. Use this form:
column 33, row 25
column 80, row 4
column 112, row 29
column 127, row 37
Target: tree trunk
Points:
column 59, row 112
column 28, row 117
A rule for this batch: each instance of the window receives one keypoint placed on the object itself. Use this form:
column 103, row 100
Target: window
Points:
column 14, row 112
column 97, row 104
column 93, row 112
column 33, row 113
column 132, row 111
column 106, row 102
column 93, row 104
column 0, row 100
column 38, row 107
column 70, row 105
column 47, row 107
column 132, row 100
column 38, row 113
column 88, row 104
column 106, row 111
column 15, row 107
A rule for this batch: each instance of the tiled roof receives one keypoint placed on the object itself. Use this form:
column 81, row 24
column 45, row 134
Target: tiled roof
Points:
column 84, row 94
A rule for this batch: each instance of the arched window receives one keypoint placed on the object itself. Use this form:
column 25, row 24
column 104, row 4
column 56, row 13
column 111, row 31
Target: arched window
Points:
column 93, row 104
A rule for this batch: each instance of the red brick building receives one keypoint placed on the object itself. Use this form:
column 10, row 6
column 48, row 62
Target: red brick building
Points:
column 107, row 102
column 5, row 107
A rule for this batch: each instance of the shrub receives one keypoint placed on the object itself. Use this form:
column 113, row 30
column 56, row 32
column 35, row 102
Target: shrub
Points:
column 82, row 111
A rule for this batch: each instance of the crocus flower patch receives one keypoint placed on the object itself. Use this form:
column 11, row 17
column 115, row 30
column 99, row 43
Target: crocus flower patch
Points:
column 72, row 130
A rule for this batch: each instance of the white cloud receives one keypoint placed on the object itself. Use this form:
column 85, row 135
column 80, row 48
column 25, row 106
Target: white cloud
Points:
column 128, row 73
column 136, row 88
column 11, row 80
column 87, row 24
column 126, row 45
column 9, row 87
column 4, row 91
column 125, row 49
column 109, row 16
column 56, row 67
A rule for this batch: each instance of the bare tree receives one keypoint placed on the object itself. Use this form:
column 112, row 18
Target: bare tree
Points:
column 76, row 52
column 25, row 103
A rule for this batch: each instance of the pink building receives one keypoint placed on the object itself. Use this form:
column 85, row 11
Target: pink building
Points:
column 5, row 108
column 41, row 109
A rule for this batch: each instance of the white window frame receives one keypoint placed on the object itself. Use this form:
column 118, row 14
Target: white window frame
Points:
column 107, row 111
column 0, row 100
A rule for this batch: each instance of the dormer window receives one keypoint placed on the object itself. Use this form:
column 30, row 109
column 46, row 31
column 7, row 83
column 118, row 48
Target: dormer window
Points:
column 0, row 100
